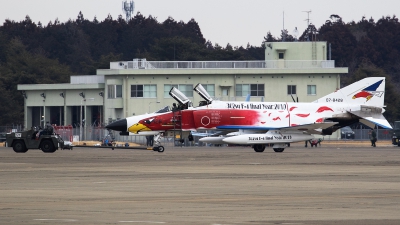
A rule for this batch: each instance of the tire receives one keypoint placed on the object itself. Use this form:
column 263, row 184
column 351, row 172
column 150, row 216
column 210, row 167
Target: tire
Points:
column 47, row 146
column 279, row 149
column 19, row 147
column 161, row 148
column 259, row 148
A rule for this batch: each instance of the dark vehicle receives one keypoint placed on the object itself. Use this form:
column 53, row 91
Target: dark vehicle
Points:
column 48, row 142
column 347, row 133
column 396, row 133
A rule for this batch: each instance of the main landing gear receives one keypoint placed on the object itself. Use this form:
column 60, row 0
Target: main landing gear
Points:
column 276, row 147
column 158, row 147
column 259, row 148
column 279, row 147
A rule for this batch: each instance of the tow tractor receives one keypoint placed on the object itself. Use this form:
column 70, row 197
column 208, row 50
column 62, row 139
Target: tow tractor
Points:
column 47, row 141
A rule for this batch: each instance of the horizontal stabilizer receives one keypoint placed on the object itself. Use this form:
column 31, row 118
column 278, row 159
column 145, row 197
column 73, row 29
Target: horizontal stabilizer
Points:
column 372, row 119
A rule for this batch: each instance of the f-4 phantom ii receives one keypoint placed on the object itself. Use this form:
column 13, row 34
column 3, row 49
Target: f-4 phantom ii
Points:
column 261, row 123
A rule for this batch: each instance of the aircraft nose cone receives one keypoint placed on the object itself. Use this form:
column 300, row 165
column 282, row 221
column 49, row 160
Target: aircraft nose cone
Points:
column 119, row 125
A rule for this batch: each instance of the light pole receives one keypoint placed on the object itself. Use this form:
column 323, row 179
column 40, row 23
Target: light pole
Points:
column 80, row 127
column 153, row 102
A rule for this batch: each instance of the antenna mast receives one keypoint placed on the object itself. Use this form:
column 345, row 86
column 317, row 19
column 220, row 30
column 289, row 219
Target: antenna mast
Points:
column 283, row 29
column 128, row 8
column 308, row 17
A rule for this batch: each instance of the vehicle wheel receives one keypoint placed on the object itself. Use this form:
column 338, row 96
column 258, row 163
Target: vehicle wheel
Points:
column 279, row 149
column 19, row 147
column 259, row 148
column 161, row 149
column 47, row 146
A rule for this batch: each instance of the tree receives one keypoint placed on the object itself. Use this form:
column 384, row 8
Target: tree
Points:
column 23, row 67
column 269, row 37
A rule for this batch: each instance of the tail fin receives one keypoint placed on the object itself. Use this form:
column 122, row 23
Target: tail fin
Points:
column 368, row 91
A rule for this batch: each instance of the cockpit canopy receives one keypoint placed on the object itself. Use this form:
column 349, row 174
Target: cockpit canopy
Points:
column 178, row 96
column 203, row 93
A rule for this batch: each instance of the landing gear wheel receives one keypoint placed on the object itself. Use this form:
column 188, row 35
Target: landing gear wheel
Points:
column 19, row 147
column 259, row 148
column 47, row 146
column 159, row 149
column 279, row 149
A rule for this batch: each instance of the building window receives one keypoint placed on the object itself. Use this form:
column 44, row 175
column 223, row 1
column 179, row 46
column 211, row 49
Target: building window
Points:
column 167, row 88
column 210, row 88
column 311, row 89
column 281, row 55
column 146, row 91
column 291, row 89
column 114, row 91
column 186, row 89
column 150, row 91
column 252, row 89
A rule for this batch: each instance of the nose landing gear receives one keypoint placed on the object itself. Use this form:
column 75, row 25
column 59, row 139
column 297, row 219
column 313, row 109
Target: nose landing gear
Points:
column 158, row 147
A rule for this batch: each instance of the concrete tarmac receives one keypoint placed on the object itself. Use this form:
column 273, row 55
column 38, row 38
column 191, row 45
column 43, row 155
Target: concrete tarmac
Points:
column 331, row 184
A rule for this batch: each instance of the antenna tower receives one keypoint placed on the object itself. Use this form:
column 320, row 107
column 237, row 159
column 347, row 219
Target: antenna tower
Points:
column 128, row 8
column 308, row 17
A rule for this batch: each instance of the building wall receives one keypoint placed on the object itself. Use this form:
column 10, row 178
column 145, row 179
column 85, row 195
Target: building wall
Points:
column 296, row 51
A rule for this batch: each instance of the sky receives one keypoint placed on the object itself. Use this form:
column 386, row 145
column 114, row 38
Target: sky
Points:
column 221, row 21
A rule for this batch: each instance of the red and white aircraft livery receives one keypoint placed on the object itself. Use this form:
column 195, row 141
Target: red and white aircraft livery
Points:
column 261, row 123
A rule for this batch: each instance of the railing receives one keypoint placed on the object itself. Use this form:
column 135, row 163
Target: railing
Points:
column 87, row 79
column 270, row 64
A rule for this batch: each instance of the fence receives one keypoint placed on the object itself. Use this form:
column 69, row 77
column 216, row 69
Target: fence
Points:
column 382, row 134
column 254, row 64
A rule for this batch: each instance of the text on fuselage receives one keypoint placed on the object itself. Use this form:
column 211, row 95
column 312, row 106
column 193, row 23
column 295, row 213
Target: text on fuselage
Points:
column 256, row 106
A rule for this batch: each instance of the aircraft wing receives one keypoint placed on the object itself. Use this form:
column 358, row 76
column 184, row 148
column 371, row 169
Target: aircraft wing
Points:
column 313, row 128
column 204, row 134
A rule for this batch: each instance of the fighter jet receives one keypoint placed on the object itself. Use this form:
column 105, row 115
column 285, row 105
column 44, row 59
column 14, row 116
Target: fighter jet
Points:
column 261, row 123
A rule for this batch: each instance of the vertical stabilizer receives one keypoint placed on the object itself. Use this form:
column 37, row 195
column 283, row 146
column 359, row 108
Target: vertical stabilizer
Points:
column 368, row 91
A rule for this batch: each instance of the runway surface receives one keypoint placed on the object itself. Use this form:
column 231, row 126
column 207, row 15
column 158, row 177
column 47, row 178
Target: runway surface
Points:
column 229, row 185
